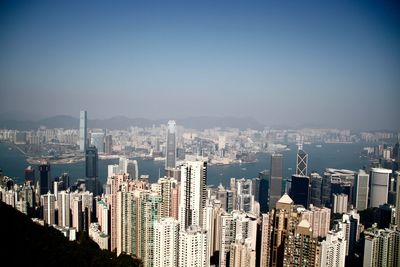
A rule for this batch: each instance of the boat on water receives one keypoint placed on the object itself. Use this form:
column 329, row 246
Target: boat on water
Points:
column 319, row 146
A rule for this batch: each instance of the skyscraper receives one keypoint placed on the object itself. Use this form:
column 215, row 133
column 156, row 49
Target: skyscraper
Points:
column 91, row 160
column 316, row 188
column 275, row 190
column 362, row 188
column 123, row 165
column 319, row 219
column 168, row 203
column 282, row 223
column 92, row 169
column 397, row 173
column 97, row 140
column 45, row 183
column 301, row 162
column 333, row 249
column 263, row 191
column 326, row 191
column 245, row 197
column 30, row 175
column 265, row 253
column 48, row 204
column 76, row 212
column 64, row 179
column 146, row 221
column 108, row 144
column 340, row 202
column 63, row 204
column 83, row 131
column 193, row 247
column 379, row 186
column 170, row 160
column 300, row 190
column 242, row 254
column 166, row 243
column 132, row 169
column 301, row 247
column 193, row 193
column 381, row 247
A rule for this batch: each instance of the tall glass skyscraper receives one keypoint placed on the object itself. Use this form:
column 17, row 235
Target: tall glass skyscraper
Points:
column 275, row 190
column 170, row 160
column 92, row 169
column 91, row 160
column 300, row 190
column 83, row 131
column 44, row 181
column 301, row 163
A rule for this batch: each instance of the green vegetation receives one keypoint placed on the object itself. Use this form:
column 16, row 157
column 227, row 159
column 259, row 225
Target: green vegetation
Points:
column 25, row 243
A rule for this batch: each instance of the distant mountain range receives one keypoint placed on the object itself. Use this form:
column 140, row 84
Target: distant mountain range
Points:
column 122, row 122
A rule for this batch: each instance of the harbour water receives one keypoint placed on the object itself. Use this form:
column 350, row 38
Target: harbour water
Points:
column 340, row 156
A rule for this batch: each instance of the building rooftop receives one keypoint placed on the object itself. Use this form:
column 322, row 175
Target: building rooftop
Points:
column 304, row 223
column 285, row 199
column 381, row 170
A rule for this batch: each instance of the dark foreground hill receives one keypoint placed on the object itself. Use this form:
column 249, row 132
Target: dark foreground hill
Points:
column 25, row 243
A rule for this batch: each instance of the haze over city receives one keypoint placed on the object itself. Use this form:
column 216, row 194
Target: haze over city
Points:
column 200, row 133
column 327, row 64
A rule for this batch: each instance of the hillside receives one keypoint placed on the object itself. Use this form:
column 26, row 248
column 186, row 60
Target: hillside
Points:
column 25, row 243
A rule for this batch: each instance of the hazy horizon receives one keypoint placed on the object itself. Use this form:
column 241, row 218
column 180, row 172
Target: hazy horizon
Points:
column 316, row 63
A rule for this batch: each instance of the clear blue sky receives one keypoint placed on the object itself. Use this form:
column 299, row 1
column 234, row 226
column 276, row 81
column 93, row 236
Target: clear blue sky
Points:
column 284, row 62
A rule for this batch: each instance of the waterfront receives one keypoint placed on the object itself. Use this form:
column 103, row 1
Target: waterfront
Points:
column 341, row 156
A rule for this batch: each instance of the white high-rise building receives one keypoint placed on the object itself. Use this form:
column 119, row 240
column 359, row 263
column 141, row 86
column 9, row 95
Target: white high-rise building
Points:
column 123, row 165
column 193, row 193
column 340, row 202
column 76, row 211
column 112, row 170
column 245, row 197
column 242, row 254
column 319, row 218
column 83, row 130
column 193, row 250
column 246, row 228
column 63, row 203
column 227, row 237
column 236, row 226
column 166, row 243
column 379, row 186
column 333, row 250
column 381, row 247
column 133, row 169
column 362, row 188
column 102, row 212
column 48, row 201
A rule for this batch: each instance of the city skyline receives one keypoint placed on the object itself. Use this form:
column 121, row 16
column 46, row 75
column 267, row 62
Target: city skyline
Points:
column 200, row 133
column 280, row 63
